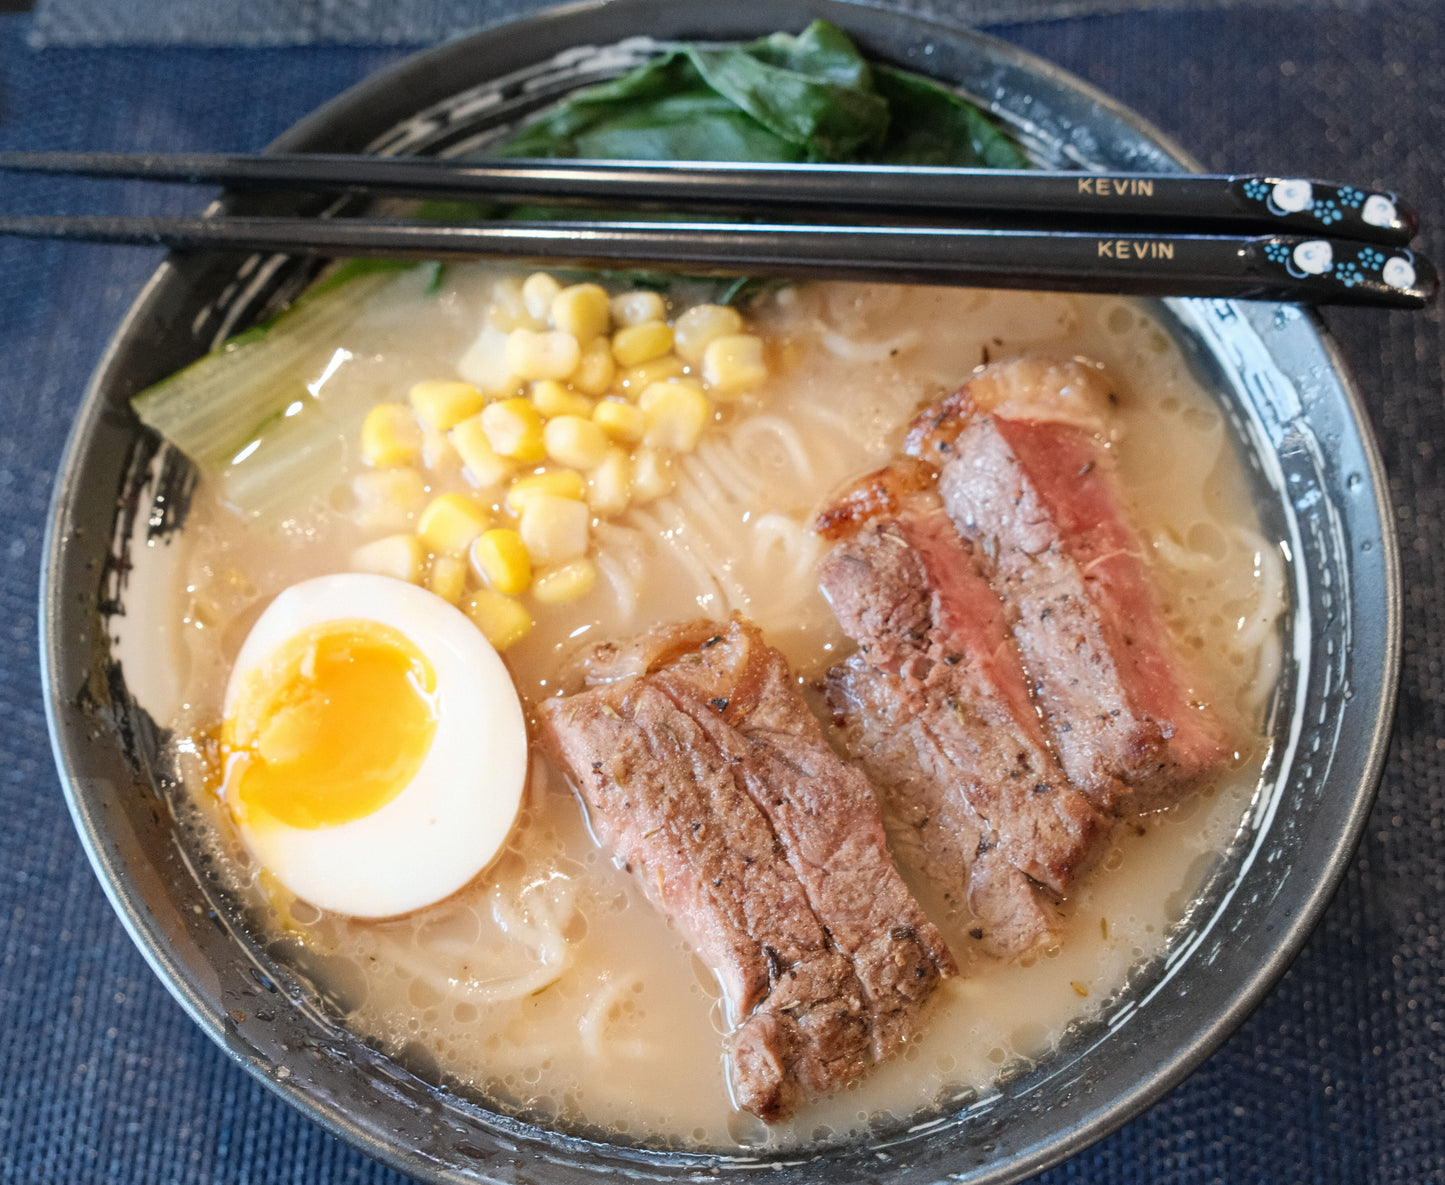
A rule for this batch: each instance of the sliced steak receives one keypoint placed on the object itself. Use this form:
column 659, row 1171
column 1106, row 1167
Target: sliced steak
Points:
column 932, row 827
column 1027, row 476
column 937, row 707
column 703, row 769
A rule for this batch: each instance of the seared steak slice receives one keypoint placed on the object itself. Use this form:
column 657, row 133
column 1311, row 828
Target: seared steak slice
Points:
column 911, row 593
column 1026, row 476
column 703, row 769
column 933, row 828
column 938, row 709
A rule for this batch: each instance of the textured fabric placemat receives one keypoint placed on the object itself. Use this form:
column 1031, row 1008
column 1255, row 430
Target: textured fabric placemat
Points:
column 1337, row 1079
column 416, row 22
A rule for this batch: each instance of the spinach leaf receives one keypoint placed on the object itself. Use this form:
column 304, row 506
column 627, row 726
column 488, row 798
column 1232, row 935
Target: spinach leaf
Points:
column 810, row 97
column 814, row 91
column 933, row 126
column 661, row 111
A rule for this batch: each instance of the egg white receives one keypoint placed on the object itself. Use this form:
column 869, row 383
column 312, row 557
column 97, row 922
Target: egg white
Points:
column 453, row 817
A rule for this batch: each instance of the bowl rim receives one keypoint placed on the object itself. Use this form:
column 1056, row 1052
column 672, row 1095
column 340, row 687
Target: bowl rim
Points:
column 381, row 91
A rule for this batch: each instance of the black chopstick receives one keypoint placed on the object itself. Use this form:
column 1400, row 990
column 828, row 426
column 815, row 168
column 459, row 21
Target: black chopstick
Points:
column 1272, row 267
column 1194, row 203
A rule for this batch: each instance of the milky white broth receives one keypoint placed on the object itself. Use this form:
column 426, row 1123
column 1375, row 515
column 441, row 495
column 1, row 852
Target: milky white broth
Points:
column 612, row 1024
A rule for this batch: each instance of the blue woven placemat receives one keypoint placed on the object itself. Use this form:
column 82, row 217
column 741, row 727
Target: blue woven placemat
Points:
column 417, row 22
column 1339, row 1077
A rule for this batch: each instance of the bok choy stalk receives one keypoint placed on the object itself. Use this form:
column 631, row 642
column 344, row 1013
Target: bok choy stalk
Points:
column 810, row 97
column 248, row 415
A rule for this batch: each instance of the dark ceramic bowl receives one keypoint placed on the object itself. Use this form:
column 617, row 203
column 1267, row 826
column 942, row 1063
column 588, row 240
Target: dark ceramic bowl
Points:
column 1319, row 487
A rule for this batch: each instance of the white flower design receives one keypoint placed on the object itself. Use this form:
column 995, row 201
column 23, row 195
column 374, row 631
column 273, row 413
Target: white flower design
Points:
column 1398, row 272
column 1314, row 257
column 1293, row 196
column 1378, row 210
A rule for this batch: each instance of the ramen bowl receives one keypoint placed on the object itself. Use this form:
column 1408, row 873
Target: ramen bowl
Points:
column 121, row 500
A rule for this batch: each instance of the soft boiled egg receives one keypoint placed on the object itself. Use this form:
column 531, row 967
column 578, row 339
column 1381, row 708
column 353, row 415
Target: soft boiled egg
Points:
column 373, row 744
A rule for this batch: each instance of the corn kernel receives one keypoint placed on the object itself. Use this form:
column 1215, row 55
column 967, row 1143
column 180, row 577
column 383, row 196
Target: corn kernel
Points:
column 676, row 415
column 651, row 393
column 551, row 398
column 621, row 421
column 508, row 310
column 595, row 368
column 390, row 436
column 659, row 370
column 652, row 475
column 700, row 325
column 568, row 582
column 633, row 308
column 450, row 522
column 448, row 577
column 733, row 363
column 398, row 556
column 500, row 558
column 514, row 429
column 609, row 486
column 632, row 345
column 438, row 453
column 554, row 529
column 484, row 365
column 561, row 483
column 484, row 465
column 574, row 441
column 502, row 620
column 582, row 310
column 538, row 291
column 440, row 405
column 387, row 500
column 532, row 355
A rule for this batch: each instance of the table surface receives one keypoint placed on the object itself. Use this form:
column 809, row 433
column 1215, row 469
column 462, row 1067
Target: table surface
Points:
column 1339, row 1076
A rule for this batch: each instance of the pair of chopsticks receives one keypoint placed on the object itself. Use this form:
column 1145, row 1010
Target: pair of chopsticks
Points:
column 1246, row 236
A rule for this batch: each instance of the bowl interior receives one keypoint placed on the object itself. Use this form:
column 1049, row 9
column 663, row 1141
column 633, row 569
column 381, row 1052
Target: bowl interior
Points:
column 120, row 499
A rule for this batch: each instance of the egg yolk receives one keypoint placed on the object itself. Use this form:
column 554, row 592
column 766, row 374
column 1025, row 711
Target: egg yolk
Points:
column 331, row 727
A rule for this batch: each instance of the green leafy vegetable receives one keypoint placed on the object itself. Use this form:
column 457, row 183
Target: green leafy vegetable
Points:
column 661, row 111
column 933, row 126
column 815, row 92
column 812, row 97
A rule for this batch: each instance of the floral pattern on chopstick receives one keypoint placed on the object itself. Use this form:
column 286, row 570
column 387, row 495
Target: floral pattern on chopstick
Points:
column 1331, row 206
column 1328, row 259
